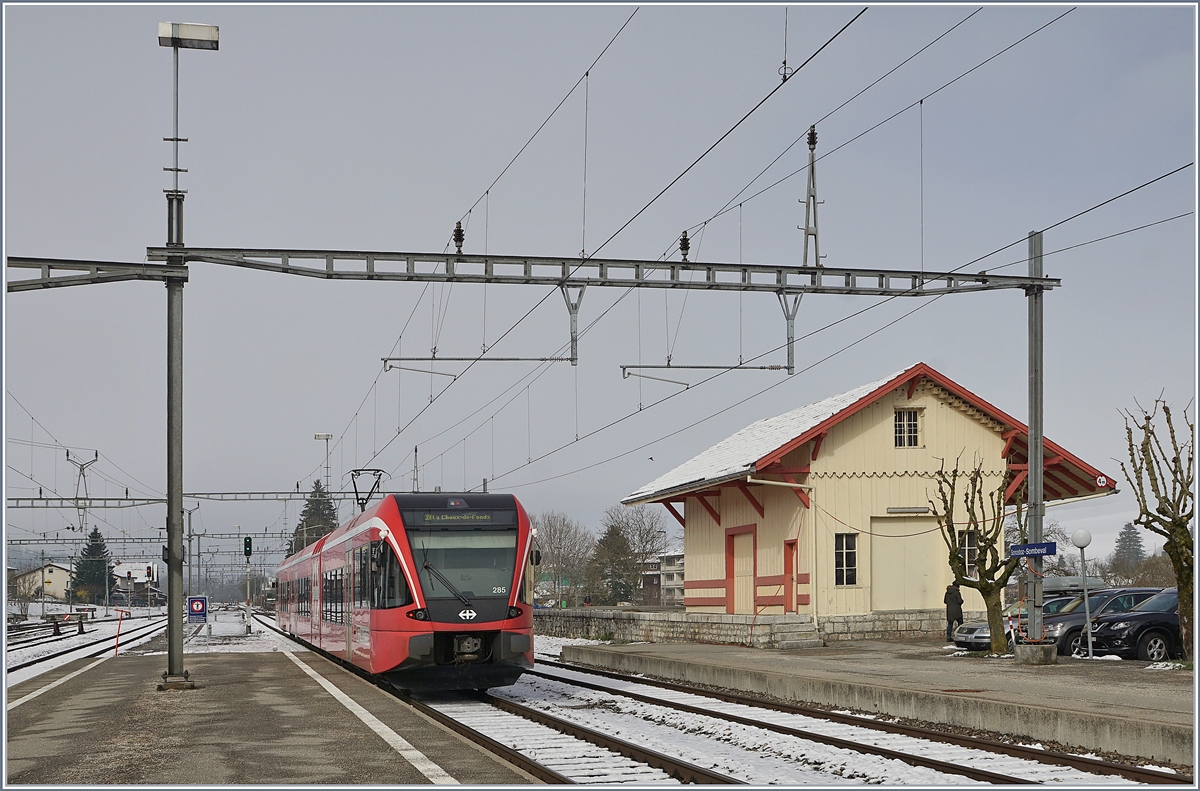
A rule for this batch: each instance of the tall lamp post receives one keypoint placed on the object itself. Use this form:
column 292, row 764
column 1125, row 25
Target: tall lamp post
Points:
column 176, row 36
column 1081, row 538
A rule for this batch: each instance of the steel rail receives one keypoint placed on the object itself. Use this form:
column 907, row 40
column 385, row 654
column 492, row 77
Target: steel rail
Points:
column 681, row 770
column 1130, row 772
column 144, row 630
column 515, row 757
column 833, row 741
column 503, row 751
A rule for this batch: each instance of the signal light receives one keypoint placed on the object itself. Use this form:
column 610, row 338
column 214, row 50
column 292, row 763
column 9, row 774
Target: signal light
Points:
column 248, row 545
column 514, row 612
column 420, row 614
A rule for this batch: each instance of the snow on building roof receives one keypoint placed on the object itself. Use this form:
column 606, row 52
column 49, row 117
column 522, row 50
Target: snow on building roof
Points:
column 735, row 456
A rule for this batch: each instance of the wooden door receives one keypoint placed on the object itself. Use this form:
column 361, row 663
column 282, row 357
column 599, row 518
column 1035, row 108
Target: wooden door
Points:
column 743, row 573
column 789, row 576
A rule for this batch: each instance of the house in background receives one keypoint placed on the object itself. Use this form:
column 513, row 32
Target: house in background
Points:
column 53, row 580
column 672, row 579
column 825, row 510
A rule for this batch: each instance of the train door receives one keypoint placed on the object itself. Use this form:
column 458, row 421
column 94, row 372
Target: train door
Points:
column 348, row 607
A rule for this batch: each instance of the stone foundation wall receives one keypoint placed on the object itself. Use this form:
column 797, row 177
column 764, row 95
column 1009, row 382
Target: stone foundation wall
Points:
column 765, row 631
column 669, row 627
column 889, row 625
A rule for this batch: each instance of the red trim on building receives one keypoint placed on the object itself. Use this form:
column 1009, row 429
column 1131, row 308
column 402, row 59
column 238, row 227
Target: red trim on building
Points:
column 817, row 445
column 802, row 598
column 916, row 372
column 716, row 516
column 702, row 584
column 770, row 579
column 757, row 505
column 1015, row 484
column 803, row 495
column 768, row 601
column 696, row 601
column 675, row 514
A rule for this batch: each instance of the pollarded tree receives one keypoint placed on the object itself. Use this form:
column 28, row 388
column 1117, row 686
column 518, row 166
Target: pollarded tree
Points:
column 980, row 538
column 318, row 518
column 92, row 575
column 1162, row 477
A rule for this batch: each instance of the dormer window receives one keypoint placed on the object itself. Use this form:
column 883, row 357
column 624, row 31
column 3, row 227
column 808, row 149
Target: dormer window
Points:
column 908, row 428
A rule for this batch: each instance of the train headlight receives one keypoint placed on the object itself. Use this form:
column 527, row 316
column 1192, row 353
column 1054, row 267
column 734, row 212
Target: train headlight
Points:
column 514, row 612
column 420, row 614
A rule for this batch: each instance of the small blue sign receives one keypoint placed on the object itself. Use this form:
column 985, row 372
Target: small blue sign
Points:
column 1032, row 550
column 197, row 609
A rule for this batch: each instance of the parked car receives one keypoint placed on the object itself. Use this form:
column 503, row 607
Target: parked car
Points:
column 977, row 635
column 1066, row 627
column 1150, row 631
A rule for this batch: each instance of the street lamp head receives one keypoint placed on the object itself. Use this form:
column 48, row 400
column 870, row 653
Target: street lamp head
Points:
column 1081, row 538
column 186, row 35
column 322, row 436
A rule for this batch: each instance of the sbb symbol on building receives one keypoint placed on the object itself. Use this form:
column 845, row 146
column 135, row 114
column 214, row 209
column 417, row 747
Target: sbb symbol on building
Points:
column 249, row 545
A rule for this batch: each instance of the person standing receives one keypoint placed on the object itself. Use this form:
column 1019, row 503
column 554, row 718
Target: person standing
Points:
column 954, row 616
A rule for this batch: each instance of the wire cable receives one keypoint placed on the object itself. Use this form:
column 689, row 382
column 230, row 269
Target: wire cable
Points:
column 727, row 134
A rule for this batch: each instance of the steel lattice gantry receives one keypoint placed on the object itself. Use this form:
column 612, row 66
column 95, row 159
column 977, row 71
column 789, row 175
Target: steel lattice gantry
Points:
column 788, row 283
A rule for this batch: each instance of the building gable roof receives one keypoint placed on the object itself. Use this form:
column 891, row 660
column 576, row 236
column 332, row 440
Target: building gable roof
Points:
column 767, row 441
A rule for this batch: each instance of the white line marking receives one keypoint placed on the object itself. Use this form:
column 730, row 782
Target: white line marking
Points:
column 432, row 771
column 13, row 704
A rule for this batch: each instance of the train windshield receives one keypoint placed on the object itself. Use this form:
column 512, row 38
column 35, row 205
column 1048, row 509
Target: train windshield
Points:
column 464, row 564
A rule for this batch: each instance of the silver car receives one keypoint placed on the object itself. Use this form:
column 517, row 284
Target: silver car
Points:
column 977, row 635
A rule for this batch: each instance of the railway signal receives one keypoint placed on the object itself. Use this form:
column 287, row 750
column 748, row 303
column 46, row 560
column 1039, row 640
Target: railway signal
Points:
column 248, row 546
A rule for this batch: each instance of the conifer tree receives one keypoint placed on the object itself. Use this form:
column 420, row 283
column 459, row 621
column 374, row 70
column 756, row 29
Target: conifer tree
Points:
column 1129, row 552
column 91, row 571
column 318, row 518
column 613, row 571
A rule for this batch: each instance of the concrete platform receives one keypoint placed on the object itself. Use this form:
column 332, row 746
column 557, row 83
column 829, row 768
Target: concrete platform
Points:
column 1091, row 706
column 253, row 718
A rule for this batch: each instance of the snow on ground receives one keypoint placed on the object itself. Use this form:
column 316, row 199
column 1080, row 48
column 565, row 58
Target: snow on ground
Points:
column 546, row 647
column 228, row 634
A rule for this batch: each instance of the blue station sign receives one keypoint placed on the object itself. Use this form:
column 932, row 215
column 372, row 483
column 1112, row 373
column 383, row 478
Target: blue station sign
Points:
column 1032, row 550
column 197, row 609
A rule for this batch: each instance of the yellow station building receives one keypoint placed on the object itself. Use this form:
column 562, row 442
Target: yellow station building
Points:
column 825, row 510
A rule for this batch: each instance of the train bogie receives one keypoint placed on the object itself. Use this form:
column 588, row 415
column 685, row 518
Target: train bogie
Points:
column 428, row 591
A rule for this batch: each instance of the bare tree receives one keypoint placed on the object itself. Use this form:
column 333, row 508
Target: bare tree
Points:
column 983, row 528
column 22, row 591
column 566, row 546
column 645, row 530
column 1161, row 478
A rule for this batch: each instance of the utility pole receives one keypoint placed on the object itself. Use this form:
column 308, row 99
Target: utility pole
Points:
column 176, row 36
column 1035, row 455
column 191, row 561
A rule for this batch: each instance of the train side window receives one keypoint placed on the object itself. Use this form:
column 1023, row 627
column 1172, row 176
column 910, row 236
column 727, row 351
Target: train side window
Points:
column 388, row 586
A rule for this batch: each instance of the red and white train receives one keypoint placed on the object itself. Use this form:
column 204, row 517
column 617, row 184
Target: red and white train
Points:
column 429, row 590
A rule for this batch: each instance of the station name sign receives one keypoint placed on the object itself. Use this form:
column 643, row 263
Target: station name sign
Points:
column 1032, row 550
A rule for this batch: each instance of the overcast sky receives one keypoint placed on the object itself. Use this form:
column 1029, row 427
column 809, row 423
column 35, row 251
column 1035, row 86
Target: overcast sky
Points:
column 377, row 127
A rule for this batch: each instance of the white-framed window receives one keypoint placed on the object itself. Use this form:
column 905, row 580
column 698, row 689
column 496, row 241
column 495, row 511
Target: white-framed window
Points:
column 908, row 428
column 845, row 558
column 968, row 550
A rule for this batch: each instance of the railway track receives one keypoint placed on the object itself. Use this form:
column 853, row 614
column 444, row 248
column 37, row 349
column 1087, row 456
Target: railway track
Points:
column 556, row 749
column 915, row 743
column 90, row 649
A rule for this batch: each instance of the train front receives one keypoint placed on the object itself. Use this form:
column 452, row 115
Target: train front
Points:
column 470, row 554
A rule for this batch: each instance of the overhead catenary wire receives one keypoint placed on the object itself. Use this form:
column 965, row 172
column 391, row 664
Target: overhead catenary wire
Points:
column 525, row 315
column 769, row 351
column 731, row 202
column 727, row 134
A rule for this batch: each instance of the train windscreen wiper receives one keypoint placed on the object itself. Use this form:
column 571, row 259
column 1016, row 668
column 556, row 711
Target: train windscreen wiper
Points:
column 449, row 585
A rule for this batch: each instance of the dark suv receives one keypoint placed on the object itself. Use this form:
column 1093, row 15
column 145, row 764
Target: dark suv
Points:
column 1150, row 631
column 1066, row 627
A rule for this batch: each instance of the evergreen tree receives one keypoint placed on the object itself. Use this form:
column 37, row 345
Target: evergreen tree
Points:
column 1129, row 552
column 91, row 571
column 318, row 518
column 614, row 570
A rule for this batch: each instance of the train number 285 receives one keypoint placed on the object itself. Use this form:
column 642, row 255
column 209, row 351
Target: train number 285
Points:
column 500, row 589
